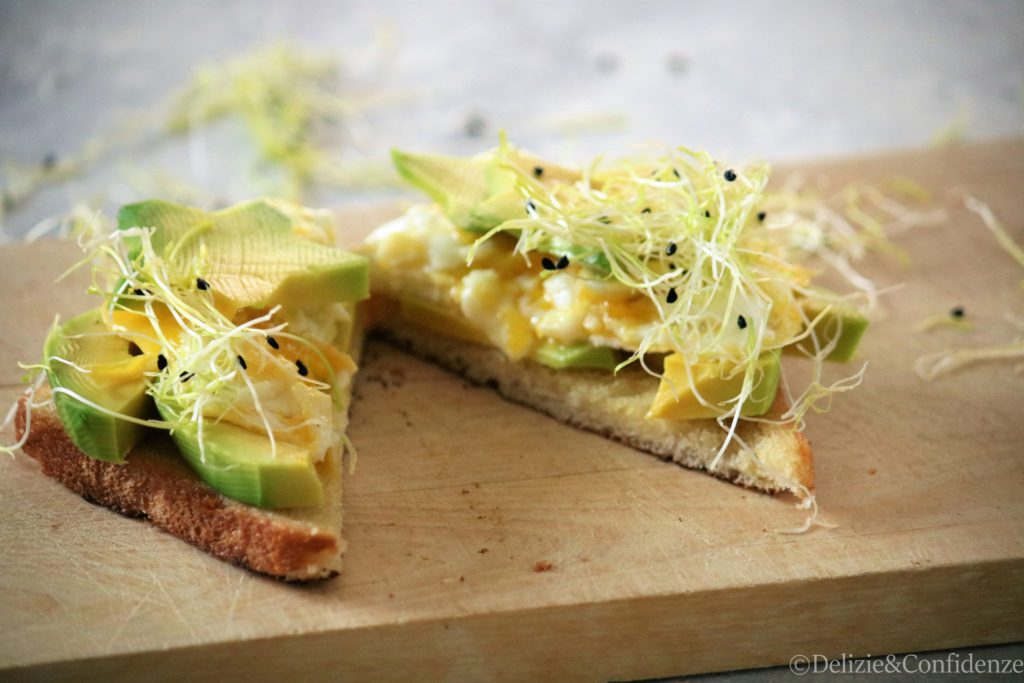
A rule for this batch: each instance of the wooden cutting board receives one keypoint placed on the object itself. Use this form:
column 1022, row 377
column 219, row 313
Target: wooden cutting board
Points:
column 655, row 570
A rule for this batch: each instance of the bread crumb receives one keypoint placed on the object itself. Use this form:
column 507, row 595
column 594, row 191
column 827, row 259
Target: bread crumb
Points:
column 542, row 566
column 462, row 579
column 391, row 595
column 483, row 551
column 872, row 471
column 395, row 377
column 386, row 378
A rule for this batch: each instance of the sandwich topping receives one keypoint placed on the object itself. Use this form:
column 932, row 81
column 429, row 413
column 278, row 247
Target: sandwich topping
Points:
column 227, row 329
column 690, row 269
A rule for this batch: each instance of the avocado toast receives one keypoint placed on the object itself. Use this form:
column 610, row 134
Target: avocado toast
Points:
column 208, row 391
column 651, row 301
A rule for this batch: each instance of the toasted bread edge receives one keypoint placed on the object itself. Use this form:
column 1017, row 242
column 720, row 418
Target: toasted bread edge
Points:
column 615, row 407
column 157, row 486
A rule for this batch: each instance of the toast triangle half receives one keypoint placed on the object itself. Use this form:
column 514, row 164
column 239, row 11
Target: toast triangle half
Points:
column 301, row 544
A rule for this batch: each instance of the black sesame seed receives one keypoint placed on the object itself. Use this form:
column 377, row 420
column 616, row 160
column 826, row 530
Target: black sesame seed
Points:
column 671, row 266
column 958, row 312
column 530, row 206
column 672, row 296
column 742, row 322
column 303, row 370
column 547, row 264
column 133, row 349
column 186, row 376
column 538, row 171
column 761, row 216
column 707, row 214
column 646, row 209
column 604, row 219
column 671, row 248
column 563, row 263
column 675, row 172
column 273, row 343
column 161, row 362
column 241, row 361
column 202, row 284
column 138, row 292
column 730, row 175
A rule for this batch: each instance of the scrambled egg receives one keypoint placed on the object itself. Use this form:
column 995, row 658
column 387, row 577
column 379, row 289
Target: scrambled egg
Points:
column 298, row 412
column 422, row 256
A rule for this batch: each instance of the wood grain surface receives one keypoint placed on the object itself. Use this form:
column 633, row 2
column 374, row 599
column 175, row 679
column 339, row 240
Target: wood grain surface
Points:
column 459, row 498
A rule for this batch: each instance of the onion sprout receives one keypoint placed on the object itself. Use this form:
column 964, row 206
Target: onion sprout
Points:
column 689, row 235
column 197, row 341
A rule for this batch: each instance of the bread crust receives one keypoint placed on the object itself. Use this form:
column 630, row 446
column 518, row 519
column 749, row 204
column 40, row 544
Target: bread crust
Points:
column 616, row 407
column 157, row 485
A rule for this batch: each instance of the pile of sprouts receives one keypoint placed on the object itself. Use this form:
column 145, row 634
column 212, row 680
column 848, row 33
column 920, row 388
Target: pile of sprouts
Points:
column 947, row 361
column 202, row 370
column 719, row 258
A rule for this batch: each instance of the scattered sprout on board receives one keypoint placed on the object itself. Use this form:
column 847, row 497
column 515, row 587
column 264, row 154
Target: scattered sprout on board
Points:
column 955, row 318
column 984, row 212
column 934, row 365
column 945, row 362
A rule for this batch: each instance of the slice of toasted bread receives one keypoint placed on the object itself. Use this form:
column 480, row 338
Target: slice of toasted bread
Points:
column 778, row 458
column 157, row 484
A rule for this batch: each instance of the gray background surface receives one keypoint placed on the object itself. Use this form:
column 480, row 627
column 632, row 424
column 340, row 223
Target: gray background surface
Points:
column 774, row 80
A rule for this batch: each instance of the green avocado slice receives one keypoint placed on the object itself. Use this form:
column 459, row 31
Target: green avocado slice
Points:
column 477, row 193
column 104, row 373
column 563, row 356
column 843, row 325
column 717, row 385
column 250, row 253
column 456, row 184
column 242, row 465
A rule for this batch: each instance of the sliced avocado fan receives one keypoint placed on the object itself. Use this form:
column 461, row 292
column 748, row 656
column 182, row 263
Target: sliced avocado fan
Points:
column 249, row 253
column 478, row 193
column 85, row 358
column 254, row 255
